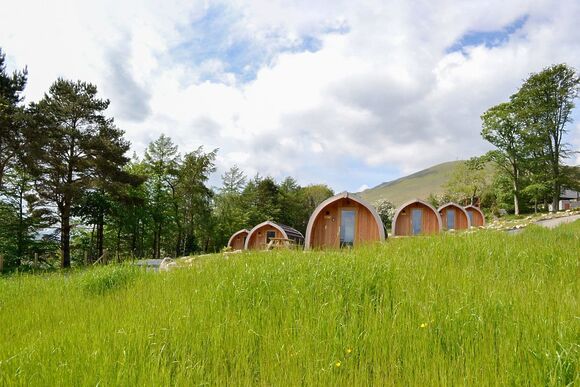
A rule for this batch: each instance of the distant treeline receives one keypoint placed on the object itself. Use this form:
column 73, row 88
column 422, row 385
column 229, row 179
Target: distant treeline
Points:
column 69, row 192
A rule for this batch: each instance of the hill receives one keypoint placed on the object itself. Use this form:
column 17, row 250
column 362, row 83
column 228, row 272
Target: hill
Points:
column 417, row 185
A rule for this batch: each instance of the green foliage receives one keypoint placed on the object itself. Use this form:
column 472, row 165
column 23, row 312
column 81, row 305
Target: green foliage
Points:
column 75, row 146
column 483, row 308
column 239, row 205
column 386, row 211
column 502, row 128
column 469, row 181
column 12, row 120
column 530, row 133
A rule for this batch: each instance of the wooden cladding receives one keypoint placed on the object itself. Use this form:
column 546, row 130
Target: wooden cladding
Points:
column 260, row 235
column 324, row 227
column 476, row 216
column 258, row 240
column 238, row 240
column 453, row 216
column 416, row 218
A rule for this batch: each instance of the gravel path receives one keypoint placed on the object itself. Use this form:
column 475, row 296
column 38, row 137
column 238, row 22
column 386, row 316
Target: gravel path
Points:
column 551, row 223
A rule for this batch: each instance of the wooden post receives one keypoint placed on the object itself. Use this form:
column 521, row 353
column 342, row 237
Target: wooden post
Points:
column 36, row 260
column 1, row 263
column 86, row 258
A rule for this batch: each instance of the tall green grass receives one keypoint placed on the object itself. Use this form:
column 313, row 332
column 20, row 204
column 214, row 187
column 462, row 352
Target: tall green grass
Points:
column 474, row 309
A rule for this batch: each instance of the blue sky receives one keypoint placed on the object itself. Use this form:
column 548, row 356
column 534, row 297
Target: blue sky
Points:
column 488, row 39
column 346, row 93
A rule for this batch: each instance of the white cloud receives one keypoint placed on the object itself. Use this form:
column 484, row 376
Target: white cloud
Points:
column 381, row 96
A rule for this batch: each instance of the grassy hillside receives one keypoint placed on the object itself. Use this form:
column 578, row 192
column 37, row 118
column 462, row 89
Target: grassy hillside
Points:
column 481, row 308
column 418, row 185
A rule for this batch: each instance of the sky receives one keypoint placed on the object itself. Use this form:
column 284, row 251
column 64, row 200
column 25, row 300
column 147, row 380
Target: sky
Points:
column 346, row 93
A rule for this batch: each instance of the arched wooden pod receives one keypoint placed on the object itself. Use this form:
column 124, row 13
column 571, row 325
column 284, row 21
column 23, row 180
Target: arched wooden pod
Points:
column 475, row 215
column 416, row 217
column 343, row 219
column 453, row 212
column 258, row 236
column 238, row 239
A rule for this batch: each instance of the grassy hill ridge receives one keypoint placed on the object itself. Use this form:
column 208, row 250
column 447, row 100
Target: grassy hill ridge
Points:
column 417, row 185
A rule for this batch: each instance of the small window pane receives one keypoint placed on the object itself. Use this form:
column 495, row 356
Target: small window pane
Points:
column 450, row 218
column 347, row 227
column 417, row 220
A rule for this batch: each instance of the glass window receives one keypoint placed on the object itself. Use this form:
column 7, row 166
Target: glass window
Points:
column 450, row 218
column 417, row 221
column 347, row 227
column 470, row 214
column 270, row 235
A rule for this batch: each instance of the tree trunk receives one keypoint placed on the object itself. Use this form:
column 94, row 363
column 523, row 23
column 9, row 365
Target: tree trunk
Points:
column 65, row 236
column 157, row 242
column 91, row 245
column 516, row 191
column 100, row 234
column 20, row 236
column 141, row 239
column 556, row 176
column 118, row 244
column 555, row 197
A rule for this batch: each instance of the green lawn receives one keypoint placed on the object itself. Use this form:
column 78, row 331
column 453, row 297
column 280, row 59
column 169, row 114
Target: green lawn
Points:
column 482, row 308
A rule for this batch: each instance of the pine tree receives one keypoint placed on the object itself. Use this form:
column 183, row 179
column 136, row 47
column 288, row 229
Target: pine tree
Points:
column 77, row 147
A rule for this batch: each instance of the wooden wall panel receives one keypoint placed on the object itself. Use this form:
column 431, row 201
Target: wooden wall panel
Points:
column 238, row 241
column 326, row 229
column 460, row 217
column 430, row 224
column 477, row 219
column 258, row 237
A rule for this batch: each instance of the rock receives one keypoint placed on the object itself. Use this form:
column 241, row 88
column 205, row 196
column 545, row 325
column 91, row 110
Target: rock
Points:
column 167, row 264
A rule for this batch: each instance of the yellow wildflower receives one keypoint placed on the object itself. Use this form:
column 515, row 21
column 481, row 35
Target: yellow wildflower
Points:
column 338, row 364
column 348, row 350
column 424, row 325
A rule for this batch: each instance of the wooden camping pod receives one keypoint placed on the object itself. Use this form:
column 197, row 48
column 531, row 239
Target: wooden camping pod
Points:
column 259, row 236
column 453, row 216
column 475, row 216
column 416, row 217
column 343, row 219
column 238, row 239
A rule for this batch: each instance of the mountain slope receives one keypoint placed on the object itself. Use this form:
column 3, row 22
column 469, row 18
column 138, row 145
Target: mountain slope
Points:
column 418, row 185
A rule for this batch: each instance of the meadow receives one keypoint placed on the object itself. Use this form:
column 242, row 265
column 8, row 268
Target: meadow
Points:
column 482, row 308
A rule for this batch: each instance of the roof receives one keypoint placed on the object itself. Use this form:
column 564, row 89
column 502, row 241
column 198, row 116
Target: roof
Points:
column 292, row 233
column 344, row 195
column 569, row 194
